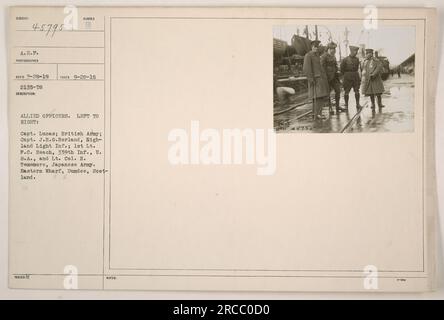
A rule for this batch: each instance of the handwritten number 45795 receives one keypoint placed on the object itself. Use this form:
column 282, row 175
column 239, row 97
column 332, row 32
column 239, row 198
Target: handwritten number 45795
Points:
column 49, row 28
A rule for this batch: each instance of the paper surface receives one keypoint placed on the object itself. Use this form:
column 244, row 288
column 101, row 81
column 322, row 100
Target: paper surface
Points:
column 125, row 171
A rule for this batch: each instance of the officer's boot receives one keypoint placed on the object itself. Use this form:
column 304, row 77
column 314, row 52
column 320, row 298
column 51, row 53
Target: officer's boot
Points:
column 358, row 106
column 346, row 101
column 380, row 105
column 337, row 101
column 318, row 110
column 330, row 108
column 372, row 99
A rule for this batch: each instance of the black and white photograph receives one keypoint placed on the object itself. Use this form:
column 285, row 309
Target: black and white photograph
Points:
column 343, row 78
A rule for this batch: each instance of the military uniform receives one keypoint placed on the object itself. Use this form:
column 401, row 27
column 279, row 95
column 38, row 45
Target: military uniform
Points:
column 350, row 70
column 372, row 84
column 330, row 65
column 317, row 79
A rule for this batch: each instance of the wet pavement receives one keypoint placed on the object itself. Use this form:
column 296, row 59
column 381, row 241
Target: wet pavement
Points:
column 397, row 116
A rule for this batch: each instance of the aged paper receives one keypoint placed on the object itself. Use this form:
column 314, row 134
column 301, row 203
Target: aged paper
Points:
column 278, row 149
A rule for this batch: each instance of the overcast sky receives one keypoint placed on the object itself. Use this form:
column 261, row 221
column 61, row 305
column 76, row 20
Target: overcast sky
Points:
column 395, row 42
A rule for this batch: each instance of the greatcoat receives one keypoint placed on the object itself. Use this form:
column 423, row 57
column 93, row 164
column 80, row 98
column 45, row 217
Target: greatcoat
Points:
column 371, row 81
column 317, row 78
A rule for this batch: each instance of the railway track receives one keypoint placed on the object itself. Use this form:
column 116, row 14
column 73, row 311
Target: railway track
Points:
column 344, row 129
column 353, row 119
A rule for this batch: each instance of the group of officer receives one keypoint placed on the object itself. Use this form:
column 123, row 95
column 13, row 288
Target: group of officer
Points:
column 323, row 75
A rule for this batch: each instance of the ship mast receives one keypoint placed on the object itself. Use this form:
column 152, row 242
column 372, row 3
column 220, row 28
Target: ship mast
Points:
column 339, row 46
column 346, row 33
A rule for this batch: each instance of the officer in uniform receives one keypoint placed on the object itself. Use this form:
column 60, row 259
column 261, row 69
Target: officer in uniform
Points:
column 330, row 65
column 317, row 80
column 350, row 70
column 372, row 84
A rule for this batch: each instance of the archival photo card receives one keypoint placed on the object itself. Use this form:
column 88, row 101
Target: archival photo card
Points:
column 178, row 148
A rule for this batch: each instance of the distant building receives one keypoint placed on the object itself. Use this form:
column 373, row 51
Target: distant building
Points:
column 408, row 65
